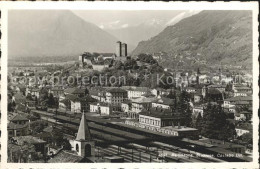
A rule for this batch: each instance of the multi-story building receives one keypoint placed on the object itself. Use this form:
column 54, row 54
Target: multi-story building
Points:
column 135, row 92
column 163, row 103
column 116, row 96
column 100, row 108
column 18, row 126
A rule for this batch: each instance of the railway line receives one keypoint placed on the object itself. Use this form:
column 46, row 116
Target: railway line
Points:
column 110, row 134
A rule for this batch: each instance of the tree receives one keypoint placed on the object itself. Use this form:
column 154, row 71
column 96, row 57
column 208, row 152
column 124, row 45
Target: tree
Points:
column 184, row 107
column 147, row 58
column 215, row 124
column 130, row 64
column 198, row 123
column 86, row 91
column 66, row 144
column 246, row 138
column 51, row 100
column 118, row 64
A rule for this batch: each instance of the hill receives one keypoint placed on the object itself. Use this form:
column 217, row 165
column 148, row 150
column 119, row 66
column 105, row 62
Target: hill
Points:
column 218, row 37
column 50, row 33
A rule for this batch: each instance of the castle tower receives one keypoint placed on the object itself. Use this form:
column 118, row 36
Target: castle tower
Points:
column 83, row 144
column 118, row 49
column 124, row 49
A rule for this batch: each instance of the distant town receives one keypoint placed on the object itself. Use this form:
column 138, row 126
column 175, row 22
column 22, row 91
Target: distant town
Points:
column 114, row 107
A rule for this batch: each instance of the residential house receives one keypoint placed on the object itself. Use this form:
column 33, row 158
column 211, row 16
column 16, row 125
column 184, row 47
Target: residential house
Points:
column 17, row 143
column 18, row 126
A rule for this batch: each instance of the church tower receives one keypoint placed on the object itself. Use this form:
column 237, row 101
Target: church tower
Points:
column 83, row 144
column 220, row 75
column 198, row 76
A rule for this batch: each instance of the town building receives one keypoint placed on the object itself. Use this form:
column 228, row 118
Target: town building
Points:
column 236, row 101
column 57, row 91
column 116, row 96
column 18, row 126
column 79, row 92
column 19, row 144
column 163, row 103
column 135, row 92
column 100, row 108
column 163, row 121
column 243, row 129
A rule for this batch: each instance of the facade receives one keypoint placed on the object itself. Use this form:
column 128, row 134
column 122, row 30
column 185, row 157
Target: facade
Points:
column 190, row 90
column 198, row 110
column 18, row 126
column 134, row 92
column 115, row 97
column 243, row 129
column 57, row 91
column 99, row 67
column 163, row 103
column 100, row 108
column 239, row 100
column 157, row 119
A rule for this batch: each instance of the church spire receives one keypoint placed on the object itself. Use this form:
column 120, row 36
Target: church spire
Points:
column 83, row 131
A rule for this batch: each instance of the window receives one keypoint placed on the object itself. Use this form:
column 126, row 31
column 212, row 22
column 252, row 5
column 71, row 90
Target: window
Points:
column 77, row 147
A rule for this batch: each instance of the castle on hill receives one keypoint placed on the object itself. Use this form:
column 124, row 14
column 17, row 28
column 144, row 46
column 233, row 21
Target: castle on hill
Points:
column 99, row 61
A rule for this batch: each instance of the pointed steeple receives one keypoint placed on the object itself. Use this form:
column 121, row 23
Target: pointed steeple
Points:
column 83, row 131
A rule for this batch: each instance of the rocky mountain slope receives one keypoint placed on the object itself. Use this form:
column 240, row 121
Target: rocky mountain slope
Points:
column 214, row 36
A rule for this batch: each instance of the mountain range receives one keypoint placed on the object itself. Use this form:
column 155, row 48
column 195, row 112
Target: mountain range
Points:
column 133, row 34
column 56, row 33
column 215, row 36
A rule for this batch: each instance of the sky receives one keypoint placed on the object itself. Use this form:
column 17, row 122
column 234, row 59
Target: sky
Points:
column 108, row 19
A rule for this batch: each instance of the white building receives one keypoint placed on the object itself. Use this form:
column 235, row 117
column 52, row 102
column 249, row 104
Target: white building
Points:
column 100, row 108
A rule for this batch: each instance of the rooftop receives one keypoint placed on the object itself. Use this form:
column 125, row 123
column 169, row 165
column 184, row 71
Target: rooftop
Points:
column 74, row 91
column 181, row 128
column 65, row 156
column 158, row 113
column 245, row 126
column 240, row 98
column 116, row 90
column 13, row 126
column 21, row 140
column 143, row 100
column 219, row 143
column 165, row 101
column 19, row 117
